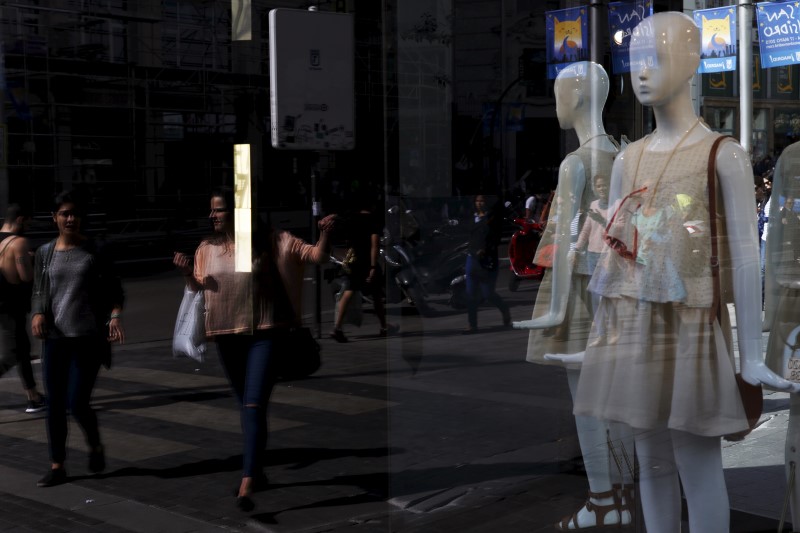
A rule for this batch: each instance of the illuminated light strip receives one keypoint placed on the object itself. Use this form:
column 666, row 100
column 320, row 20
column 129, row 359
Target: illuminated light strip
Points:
column 242, row 213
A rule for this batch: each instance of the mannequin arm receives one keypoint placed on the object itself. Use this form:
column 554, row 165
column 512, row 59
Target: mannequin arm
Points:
column 773, row 252
column 735, row 177
column 571, row 181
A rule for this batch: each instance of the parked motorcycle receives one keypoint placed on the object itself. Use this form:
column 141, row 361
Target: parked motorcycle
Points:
column 426, row 266
column 521, row 250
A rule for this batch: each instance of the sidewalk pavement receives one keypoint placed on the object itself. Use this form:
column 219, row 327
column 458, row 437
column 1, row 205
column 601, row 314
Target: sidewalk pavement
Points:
column 427, row 431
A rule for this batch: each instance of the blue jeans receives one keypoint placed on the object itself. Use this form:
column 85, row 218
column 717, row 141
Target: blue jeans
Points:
column 247, row 361
column 69, row 368
column 480, row 287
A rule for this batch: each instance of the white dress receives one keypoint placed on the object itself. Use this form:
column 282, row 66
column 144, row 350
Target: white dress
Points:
column 655, row 359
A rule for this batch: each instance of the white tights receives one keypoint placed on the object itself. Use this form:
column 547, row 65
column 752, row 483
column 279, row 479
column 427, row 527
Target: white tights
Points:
column 671, row 458
column 593, row 438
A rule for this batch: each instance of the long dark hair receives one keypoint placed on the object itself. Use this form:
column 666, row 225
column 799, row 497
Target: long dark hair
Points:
column 226, row 193
column 263, row 234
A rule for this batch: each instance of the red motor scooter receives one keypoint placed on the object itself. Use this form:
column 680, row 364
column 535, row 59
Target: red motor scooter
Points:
column 521, row 249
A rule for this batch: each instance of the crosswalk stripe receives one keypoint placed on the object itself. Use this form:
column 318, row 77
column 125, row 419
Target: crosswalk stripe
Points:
column 203, row 416
column 164, row 378
column 346, row 404
column 127, row 446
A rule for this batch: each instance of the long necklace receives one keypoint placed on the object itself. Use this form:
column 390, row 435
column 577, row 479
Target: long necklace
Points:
column 593, row 137
column 666, row 165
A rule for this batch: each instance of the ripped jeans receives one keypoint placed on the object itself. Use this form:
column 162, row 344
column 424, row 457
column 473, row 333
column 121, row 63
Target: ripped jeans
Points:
column 247, row 361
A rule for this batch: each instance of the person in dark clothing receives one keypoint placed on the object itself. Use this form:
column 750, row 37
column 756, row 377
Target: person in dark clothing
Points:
column 482, row 262
column 363, row 272
column 16, row 274
column 76, row 308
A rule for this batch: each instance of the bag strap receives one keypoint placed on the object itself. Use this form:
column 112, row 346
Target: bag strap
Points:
column 8, row 241
column 716, row 301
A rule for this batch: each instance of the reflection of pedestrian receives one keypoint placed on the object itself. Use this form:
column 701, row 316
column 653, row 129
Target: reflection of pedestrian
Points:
column 482, row 263
column 362, row 270
column 16, row 273
column 76, row 308
column 245, row 313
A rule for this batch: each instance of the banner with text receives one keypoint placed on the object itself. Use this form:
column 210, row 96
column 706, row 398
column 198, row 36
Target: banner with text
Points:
column 718, row 35
column 622, row 18
column 567, row 38
column 778, row 33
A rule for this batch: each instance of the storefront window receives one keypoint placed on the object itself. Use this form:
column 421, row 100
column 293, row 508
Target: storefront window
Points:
column 478, row 190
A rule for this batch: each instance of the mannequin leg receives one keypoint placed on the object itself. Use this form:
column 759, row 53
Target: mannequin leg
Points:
column 592, row 438
column 793, row 457
column 659, row 487
column 699, row 461
column 622, row 468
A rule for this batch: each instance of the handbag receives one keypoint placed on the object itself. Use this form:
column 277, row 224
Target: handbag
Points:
column 189, row 338
column 752, row 395
column 298, row 355
column 297, row 352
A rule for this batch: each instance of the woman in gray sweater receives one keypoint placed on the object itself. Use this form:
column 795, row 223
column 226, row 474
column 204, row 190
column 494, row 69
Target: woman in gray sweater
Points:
column 76, row 309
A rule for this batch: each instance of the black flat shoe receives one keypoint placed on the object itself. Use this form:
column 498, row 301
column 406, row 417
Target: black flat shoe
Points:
column 56, row 476
column 245, row 504
column 97, row 460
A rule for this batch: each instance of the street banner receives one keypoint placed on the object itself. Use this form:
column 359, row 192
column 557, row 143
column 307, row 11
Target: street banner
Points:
column 778, row 33
column 622, row 18
column 718, row 38
column 567, row 32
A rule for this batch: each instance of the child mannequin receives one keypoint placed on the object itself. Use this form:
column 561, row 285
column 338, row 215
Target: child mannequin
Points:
column 563, row 310
column 656, row 360
column 782, row 297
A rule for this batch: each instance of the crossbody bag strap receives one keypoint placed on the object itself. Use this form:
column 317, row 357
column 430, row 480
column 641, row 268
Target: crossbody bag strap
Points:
column 8, row 241
column 716, row 301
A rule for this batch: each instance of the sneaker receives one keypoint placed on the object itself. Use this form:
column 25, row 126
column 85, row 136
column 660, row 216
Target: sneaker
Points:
column 97, row 459
column 36, row 406
column 337, row 335
column 55, row 476
column 390, row 329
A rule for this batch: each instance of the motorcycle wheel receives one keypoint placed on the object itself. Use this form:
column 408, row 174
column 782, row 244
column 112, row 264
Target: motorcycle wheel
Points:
column 417, row 298
column 513, row 283
column 458, row 297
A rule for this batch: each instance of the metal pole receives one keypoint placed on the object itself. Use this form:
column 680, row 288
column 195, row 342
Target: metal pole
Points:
column 316, row 212
column 745, row 51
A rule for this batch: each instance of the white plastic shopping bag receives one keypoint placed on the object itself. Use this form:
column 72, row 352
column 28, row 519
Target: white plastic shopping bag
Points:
column 189, row 339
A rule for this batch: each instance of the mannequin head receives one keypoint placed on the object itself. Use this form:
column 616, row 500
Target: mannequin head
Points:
column 581, row 87
column 664, row 54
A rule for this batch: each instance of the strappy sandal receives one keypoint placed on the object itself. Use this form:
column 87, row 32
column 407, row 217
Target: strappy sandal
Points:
column 600, row 513
column 623, row 496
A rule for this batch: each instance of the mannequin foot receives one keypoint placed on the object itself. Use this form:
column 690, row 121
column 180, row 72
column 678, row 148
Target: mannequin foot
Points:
column 623, row 495
column 566, row 358
column 600, row 511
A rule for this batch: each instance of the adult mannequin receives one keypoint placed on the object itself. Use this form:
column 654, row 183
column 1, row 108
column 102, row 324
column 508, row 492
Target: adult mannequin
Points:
column 563, row 310
column 659, row 359
column 782, row 296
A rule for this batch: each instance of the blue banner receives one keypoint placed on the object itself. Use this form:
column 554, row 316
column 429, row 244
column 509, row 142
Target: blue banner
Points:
column 567, row 38
column 718, row 35
column 622, row 18
column 778, row 33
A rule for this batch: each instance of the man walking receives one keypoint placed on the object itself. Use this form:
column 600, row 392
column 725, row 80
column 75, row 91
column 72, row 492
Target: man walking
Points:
column 16, row 275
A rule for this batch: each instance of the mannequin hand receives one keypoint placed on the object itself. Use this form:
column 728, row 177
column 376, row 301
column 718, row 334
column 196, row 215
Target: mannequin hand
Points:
column 760, row 373
column 566, row 358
